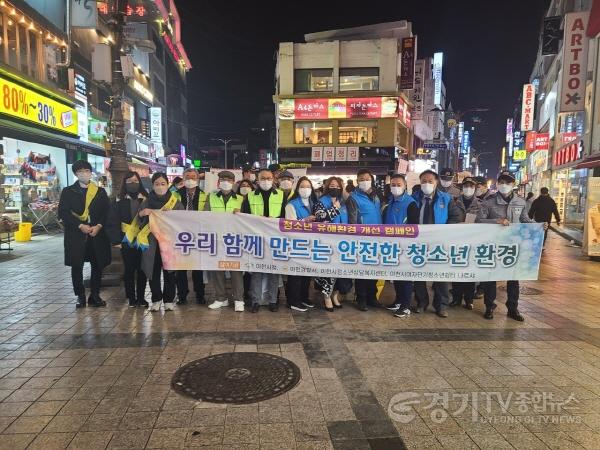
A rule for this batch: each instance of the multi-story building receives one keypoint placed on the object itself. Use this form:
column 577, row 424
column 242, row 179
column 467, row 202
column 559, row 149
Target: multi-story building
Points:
column 338, row 102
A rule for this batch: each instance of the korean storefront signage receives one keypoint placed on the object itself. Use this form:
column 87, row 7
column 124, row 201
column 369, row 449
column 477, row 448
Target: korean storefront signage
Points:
column 29, row 105
column 329, row 154
column 542, row 141
column 568, row 154
column 527, row 107
column 418, row 90
column 141, row 89
column 338, row 108
column 565, row 138
column 156, row 124
column 316, row 154
column 530, row 141
column 538, row 162
column 404, row 115
column 341, row 153
column 509, row 129
column 519, row 155
column 592, row 237
column 551, row 35
column 575, row 56
column 438, row 59
column 84, row 14
column 407, row 63
column 353, row 153
column 97, row 129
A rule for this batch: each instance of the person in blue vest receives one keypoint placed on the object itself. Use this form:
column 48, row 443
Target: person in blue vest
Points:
column 364, row 207
column 435, row 208
column 331, row 208
column 300, row 207
column 401, row 209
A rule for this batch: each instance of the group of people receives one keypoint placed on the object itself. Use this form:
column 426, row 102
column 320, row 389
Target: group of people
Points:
column 93, row 223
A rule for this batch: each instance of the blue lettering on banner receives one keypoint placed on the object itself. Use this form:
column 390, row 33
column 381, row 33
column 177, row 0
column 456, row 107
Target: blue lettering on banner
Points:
column 508, row 254
column 485, row 255
column 390, row 253
column 368, row 253
column 280, row 248
column 207, row 242
column 320, row 252
column 438, row 255
column 348, row 252
column 253, row 245
column 184, row 242
column 233, row 245
column 300, row 248
column 416, row 253
column 459, row 255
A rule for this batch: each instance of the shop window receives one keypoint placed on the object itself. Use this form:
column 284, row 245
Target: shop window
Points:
column 34, row 54
column 313, row 80
column 23, row 49
column 359, row 79
column 11, row 27
column 355, row 132
column 313, row 133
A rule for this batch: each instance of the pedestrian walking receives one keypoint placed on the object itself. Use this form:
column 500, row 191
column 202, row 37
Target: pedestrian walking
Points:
column 542, row 209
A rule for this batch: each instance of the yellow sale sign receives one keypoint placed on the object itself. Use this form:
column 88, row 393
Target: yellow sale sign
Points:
column 26, row 104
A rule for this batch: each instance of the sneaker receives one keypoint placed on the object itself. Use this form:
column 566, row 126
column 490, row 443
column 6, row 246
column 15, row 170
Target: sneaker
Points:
column 182, row 300
column 155, row 306
column 132, row 303
column 239, row 306
column 81, row 302
column 441, row 313
column 468, row 306
column 308, row 304
column 95, row 301
column 170, row 306
column 402, row 313
column 393, row 307
column 273, row 307
column 218, row 304
column 301, row 307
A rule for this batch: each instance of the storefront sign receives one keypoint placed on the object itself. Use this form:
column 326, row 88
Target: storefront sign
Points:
column 592, row 241
column 338, row 108
column 316, row 154
column 174, row 171
column 329, row 154
column 26, row 104
column 466, row 142
column 407, row 68
column 519, row 155
column 565, row 138
column 156, row 124
column 542, row 141
column 530, row 141
column 417, row 93
column 568, row 154
column 538, row 162
column 97, row 129
column 527, row 107
column 141, row 89
column 575, row 56
column 404, row 115
column 142, row 147
column 353, row 153
column 509, row 129
column 438, row 59
column 341, row 153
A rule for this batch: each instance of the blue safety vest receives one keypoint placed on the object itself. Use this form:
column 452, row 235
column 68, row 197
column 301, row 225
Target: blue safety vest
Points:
column 302, row 211
column 441, row 203
column 342, row 217
column 368, row 209
column 396, row 211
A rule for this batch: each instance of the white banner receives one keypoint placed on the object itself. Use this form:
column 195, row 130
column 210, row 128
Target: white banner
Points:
column 191, row 240
column 575, row 59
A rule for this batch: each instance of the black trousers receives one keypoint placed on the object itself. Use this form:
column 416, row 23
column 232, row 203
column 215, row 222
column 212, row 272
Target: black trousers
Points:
column 512, row 294
column 247, row 280
column 167, row 293
column 77, row 273
column 297, row 289
column 134, row 276
column 366, row 291
column 197, row 280
column 463, row 291
column 441, row 294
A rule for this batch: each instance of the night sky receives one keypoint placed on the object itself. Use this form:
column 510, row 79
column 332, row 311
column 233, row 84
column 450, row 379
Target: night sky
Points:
column 489, row 50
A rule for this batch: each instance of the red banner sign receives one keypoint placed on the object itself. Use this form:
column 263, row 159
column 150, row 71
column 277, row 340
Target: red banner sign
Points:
column 568, row 154
column 339, row 108
column 311, row 108
column 565, row 138
column 530, row 141
column 542, row 141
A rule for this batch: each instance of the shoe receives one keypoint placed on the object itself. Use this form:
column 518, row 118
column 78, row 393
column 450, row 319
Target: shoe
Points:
column 402, row 313
column 132, row 303
column 441, row 313
column 81, row 302
column 95, row 301
column 515, row 315
column 201, row 300
column 217, row 304
column 478, row 295
column 301, row 307
column 155, row 306
column 393, row 307
column 254, row 308
column 239, row 306
column 489, row 314
column 273, row 307
column 327, row 305
column 420, row 310
column 362, row 306
column 182, row 300
column 335, row 299
column 468, row 306
column 169, row 306
column 373, row 303
column 308, row 304
column 455, row 303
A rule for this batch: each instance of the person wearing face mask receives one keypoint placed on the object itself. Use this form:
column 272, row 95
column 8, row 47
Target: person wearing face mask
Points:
column 286, row 184
column 468, row 206
column 504, row 208
column 300, row 207
column 246, row 187
column 400, row 209
column 249, row 174
column 446, row 185
column 225, row 200
column 83, row 209
column 265, row 201
column 122, row 213
column 482, row 191
column 193, row 198
column 160, row 198
column 364, row 208
column 331, row 208
column 435, row 208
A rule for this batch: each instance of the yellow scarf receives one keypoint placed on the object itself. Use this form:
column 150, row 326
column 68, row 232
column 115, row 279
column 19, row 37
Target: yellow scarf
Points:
column 141, row 236
column 92, row 190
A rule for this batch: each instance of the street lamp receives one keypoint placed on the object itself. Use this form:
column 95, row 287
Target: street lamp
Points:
column 225, row 143
column 475, row 160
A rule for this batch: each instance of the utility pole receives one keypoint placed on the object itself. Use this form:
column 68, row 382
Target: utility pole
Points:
column 118, row 152
column 225, row 143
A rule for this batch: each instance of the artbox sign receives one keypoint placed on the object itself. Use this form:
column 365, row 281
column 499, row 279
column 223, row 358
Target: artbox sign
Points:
column 527, row 107
column 568, row 154
column 575, row 56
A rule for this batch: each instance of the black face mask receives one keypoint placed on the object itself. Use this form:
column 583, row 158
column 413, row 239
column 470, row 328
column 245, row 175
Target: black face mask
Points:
column 335, row 192
column 132, row 188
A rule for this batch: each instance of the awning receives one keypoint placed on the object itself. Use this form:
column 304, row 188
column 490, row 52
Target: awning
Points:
column 24, row 133
column 589, row 163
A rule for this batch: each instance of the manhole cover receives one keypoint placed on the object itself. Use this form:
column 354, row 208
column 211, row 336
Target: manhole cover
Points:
column 525, row 290
column 236, row 378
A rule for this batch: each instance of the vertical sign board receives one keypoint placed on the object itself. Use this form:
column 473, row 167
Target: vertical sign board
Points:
column 341, row 153
column 407, row 68
column 352, row 154
column 509, row 129
column 156, row 124
column 329, row 154
column 316, row 154
column 438, row 59
column 527, row 107
column 419, row 90
column 574, row 68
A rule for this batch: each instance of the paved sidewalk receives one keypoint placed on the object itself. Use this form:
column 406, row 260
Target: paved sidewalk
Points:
column 100, row 378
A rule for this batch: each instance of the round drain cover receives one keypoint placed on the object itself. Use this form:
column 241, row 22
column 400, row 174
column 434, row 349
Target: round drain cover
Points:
column 237, row 378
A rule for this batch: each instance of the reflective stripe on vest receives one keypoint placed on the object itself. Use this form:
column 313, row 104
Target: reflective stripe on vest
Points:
column 217, row 203
column 257, row 206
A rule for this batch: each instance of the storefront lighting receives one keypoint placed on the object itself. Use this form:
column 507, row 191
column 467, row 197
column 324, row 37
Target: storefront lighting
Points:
column 13, row 12
column 63, row 43
column 49, row 37
column 55, row 40
column 10, row 23
column 31, row 26
column 22, row 20
column 2, row 3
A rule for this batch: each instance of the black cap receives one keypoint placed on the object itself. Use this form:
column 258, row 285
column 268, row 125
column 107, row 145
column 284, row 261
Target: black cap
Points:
column 227, row 175
column 506, row 175
column 286, row 174
column 470, row 180
column 81, row 165
column 447, row 174
column 480, row 180
column 274, row 167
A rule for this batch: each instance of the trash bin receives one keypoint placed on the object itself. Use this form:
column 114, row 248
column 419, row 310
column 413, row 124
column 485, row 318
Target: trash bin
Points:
column 23, row 234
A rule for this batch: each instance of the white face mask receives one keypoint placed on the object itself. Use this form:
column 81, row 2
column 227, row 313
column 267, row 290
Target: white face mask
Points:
column 505, row 188
column 305, row 192
column 266, row 185
column 252, row 177
column 286, row 185
column 245, row 190
column 427, row 188
column 161, row 190
column 445, row 183
column 480, row 191
column 468, row 192
column 190, row 184
column 364, row 185
column 84, row 178
column 397, row 191
column 226, row 186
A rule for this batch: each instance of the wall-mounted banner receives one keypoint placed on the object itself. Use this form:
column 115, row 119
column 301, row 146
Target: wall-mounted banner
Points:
column 192, row 240
column 575, row 56
column 338, row 108
column 407, row 62
column 527, row 107
column 418, row 91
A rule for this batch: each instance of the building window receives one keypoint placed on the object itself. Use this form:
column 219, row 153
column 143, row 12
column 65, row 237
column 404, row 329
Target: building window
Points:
column 34, row 56
column 313, row 80
column 355, row 132
column 359, row 79
column 313, row 133
column 12, row 41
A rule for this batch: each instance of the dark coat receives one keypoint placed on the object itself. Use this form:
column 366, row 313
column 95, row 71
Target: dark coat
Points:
column 183, row 196
column 72, row 200
column 121, row 211
column 542, row 209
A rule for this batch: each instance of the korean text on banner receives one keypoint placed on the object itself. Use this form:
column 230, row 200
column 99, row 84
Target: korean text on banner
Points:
column 192, row 240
